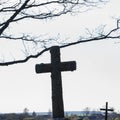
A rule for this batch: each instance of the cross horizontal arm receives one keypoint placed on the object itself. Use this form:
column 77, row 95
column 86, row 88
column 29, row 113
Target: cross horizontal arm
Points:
column 107, row 109
column 64, row 66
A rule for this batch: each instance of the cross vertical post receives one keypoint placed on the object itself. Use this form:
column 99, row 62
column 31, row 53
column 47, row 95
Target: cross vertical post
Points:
column 106, row 110
column 56, row 67
column 57, row 97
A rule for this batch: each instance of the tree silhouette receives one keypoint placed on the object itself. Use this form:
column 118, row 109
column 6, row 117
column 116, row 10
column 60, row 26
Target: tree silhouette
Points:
column 13, row 13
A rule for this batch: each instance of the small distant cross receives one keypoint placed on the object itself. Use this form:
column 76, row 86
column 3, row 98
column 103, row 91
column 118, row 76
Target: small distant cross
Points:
column 106, row 110
column 56, row 67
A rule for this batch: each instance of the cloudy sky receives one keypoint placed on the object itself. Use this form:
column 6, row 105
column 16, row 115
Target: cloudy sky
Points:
column 96, row 80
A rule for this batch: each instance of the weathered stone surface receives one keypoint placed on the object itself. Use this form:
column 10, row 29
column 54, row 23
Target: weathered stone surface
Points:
column 56, row 67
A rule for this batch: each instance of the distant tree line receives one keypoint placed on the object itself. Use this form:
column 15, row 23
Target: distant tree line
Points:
column 22, row 116
column 35, row 116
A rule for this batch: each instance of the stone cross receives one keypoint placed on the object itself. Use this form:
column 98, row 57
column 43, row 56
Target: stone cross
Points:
column 56, row 67
column 106, row 110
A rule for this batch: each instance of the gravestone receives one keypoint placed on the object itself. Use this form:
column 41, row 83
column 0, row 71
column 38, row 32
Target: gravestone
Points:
column 56, row 67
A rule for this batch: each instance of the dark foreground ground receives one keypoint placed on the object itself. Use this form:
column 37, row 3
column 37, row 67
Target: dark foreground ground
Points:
column 68, row 115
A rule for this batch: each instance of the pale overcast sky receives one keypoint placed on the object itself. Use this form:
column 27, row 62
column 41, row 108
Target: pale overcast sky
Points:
column 96, row 80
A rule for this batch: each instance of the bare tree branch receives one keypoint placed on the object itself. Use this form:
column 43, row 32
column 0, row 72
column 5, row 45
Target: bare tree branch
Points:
column 97, row 38
column 45, row 9
column 35, row 9
column 13, row 16
column 24, row 60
